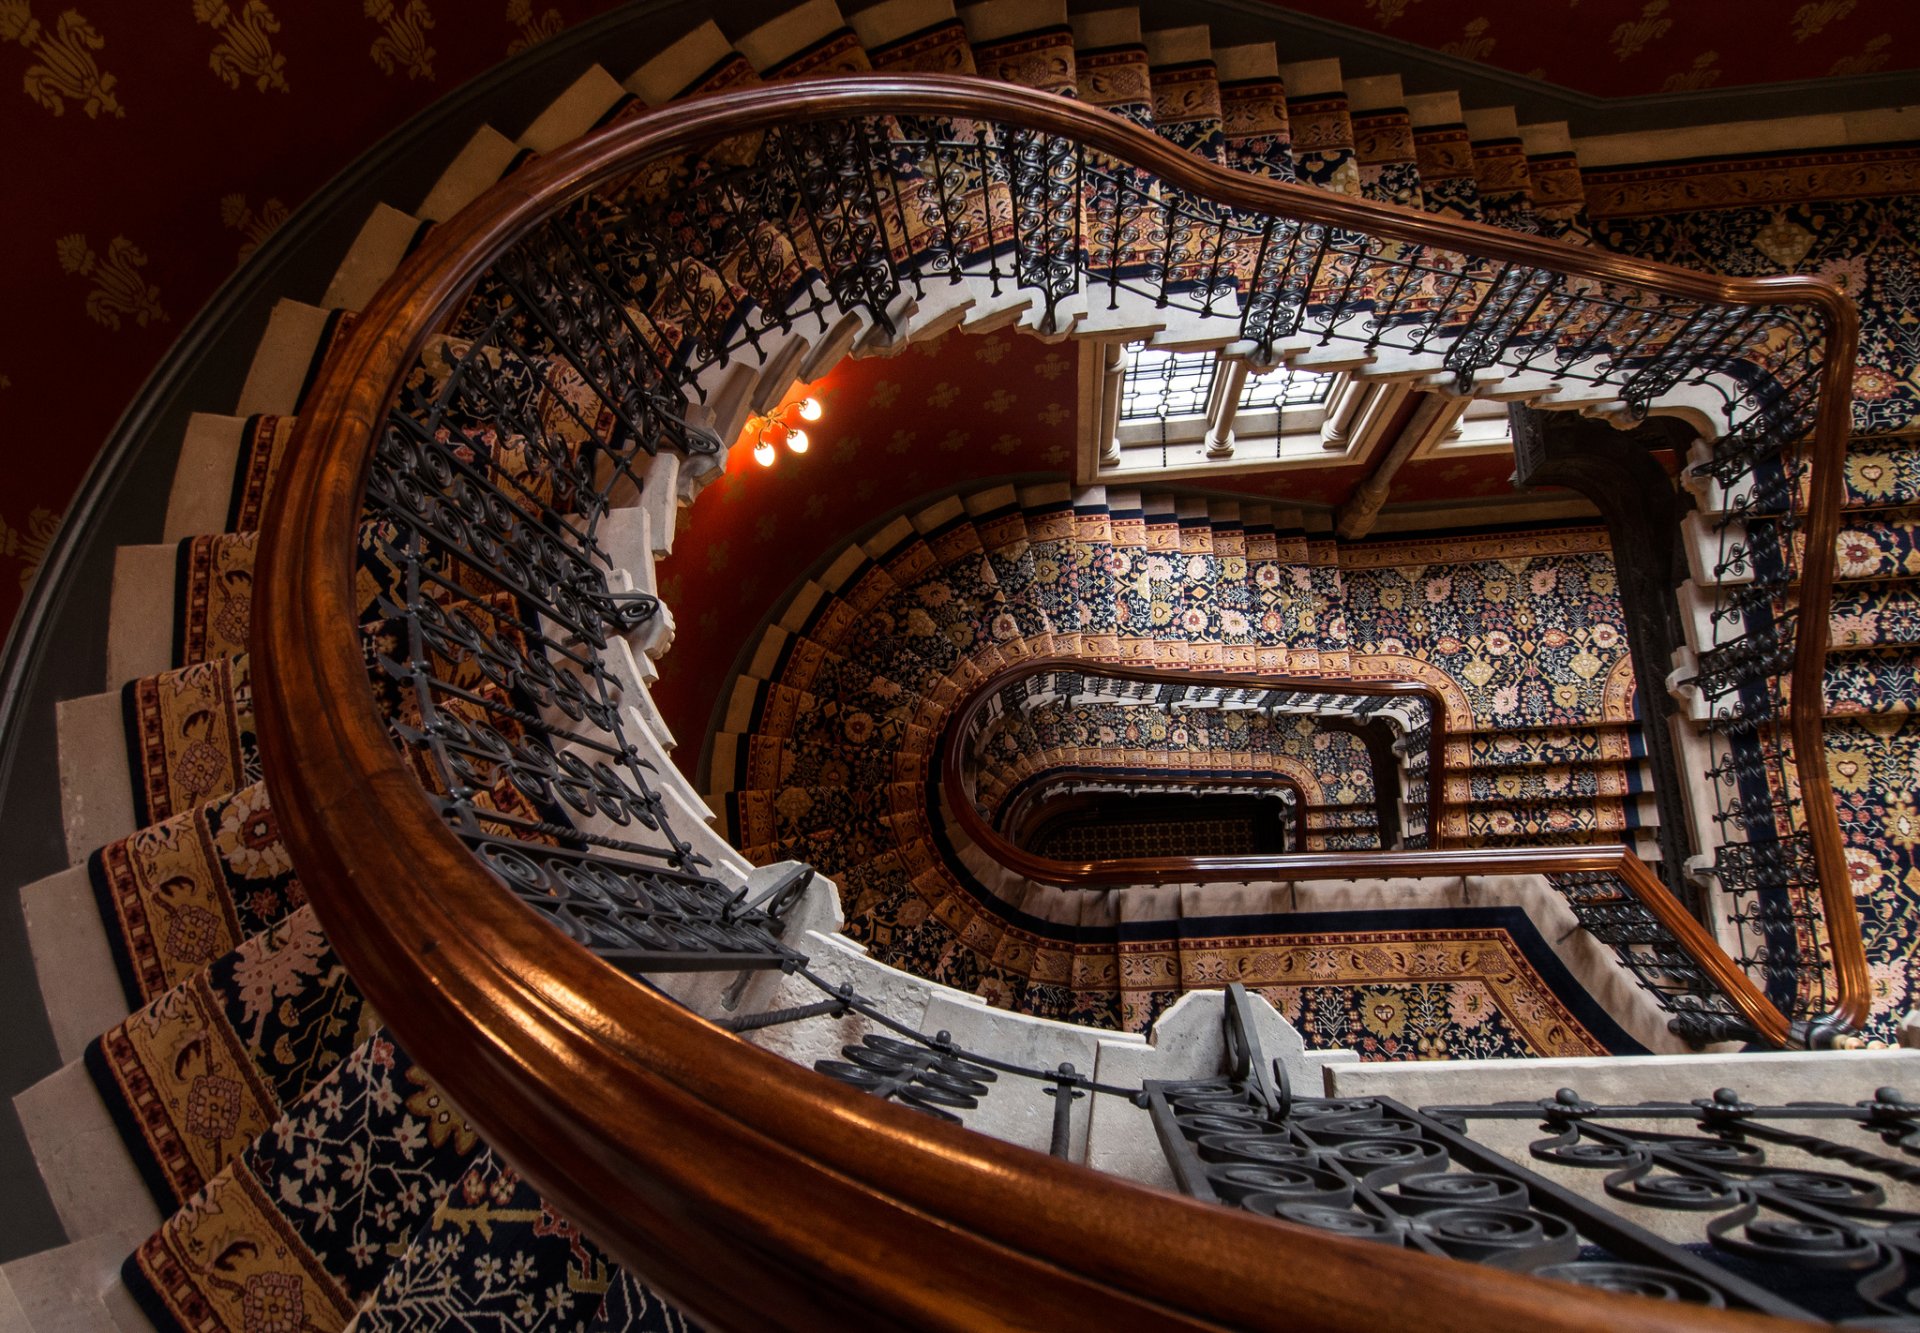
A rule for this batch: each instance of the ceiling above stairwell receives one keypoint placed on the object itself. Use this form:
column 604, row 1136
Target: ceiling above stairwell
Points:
column 1645, row 48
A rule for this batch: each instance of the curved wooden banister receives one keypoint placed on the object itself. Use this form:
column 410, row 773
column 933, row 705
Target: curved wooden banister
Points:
column 1646, row 886
column 758, row 1193
column 1020, row 824
column 961, row 719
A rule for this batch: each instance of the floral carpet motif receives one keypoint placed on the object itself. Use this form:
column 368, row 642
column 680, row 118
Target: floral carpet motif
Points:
column 1876, row 546
column 494, row 1257
column 181, row 893
column 1884, row 682
column 202, row 1069
column 1436, row 988
column 190, row 736
column 1518, row 632
column 303, row 1225
column 1870, row 247
column 1874, row 763
column 214, row 597
column 1531, row 640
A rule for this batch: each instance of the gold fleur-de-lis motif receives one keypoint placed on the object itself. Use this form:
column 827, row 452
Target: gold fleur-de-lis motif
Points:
column 1630, row 37
column 1474, row 44
column 1870, row 59
column 1702, row 74
column 245, row 49
column 63, row 67
column 29, row 545
column 533, row 30
column 118, row 288
column 1810, row 19
column 402, row 43
column 236, row 213
column 1386, row 11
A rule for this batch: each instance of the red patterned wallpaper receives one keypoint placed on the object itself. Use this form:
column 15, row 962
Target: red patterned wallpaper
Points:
column 1634, row 48
column 942, row 413
column 150, row 148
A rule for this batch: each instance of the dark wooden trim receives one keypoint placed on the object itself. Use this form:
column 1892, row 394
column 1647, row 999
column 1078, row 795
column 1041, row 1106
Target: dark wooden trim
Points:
column 1615, row 470
column 960, row 717
column 759, row 1193
column 1168, row 803
column 1366, row 50
column 1016, row 813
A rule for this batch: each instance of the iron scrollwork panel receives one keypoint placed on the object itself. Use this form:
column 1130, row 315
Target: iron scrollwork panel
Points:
column 491, row 612
column 1779, row 1231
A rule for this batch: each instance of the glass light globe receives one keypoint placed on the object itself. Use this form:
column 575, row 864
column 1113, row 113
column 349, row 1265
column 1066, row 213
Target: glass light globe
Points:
column 810, row 409
column 797, row 441
column 763, row 453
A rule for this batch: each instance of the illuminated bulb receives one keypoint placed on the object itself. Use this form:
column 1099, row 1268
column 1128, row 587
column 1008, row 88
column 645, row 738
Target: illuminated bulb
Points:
column 810, row 409
column 763, row 453
column 797, row 440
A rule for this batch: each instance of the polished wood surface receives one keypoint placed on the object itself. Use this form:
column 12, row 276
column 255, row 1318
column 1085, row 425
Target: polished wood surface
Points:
column 1019, row 820
column 1635, row 875
column 1146, row 870
column 760, row 1194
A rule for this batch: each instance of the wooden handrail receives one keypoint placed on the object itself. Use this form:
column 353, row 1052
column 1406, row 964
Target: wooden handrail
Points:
column 1013, row 815
column 961, row 718
column 758, row 1193
column 1653, row 894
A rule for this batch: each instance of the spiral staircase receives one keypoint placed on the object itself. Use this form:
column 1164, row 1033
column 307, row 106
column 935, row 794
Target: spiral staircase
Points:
column 236, row 1115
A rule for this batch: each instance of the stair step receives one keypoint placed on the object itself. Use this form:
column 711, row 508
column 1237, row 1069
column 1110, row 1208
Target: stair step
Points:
column 140, row 622
column 96, row 787
column 90, row 1176
column 80, row 985
column 385, row 239
column 203, row 479
column 788, row 34
column 1553, row 175
column 284, row 360
column 1024, row 42
column 581, row 107
column 73, row 1288
column 1188, row 110
column 1320, row 126
column 487, row 156
column 1097, row 29
column 1444, row 153
column 883, row 25
column 701, row 55
column 992, row 20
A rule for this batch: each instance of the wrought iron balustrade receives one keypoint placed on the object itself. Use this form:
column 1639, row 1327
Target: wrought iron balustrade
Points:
column 1777, row 1231
column 1017, row 707
column 456, row 491
column 617, row 307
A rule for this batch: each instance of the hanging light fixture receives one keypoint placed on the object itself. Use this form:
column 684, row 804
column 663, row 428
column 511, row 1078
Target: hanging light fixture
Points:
column 778, row 426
